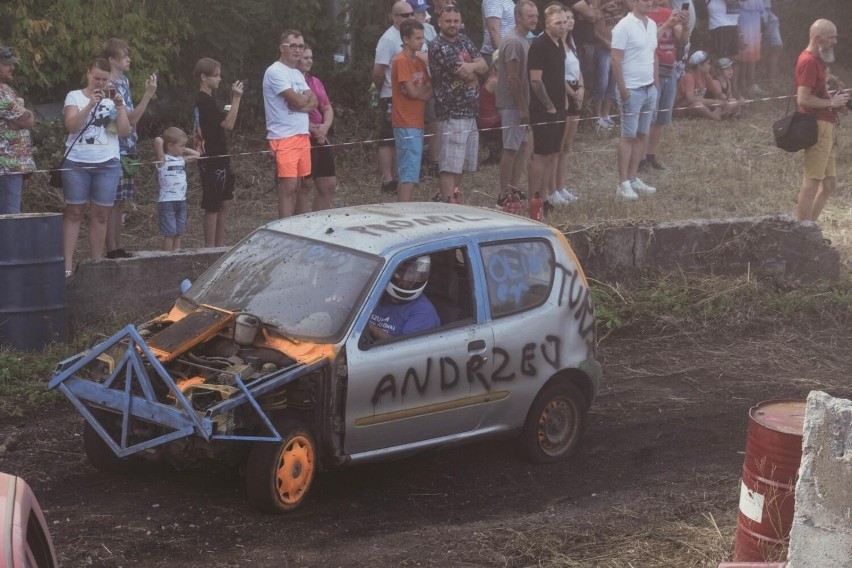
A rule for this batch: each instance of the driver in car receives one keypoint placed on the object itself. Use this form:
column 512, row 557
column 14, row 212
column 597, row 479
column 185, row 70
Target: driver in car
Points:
column 404, row 309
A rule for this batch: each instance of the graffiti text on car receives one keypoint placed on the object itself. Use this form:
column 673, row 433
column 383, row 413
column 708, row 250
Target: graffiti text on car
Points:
column 448, row 373
column 395, row 225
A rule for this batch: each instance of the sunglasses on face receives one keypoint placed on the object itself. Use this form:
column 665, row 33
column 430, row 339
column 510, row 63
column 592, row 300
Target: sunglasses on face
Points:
column 295, row 46
column 450, row 8
column 406, row 15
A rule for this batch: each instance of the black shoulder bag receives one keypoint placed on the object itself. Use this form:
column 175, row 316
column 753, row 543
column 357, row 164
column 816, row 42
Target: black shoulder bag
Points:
column 794, row 132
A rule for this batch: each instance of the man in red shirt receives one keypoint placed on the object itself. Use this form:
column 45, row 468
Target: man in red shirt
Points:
column 812, row 96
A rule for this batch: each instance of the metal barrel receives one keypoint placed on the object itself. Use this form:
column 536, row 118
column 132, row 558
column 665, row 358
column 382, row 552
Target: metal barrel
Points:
column 767, row 492
column 33, row 305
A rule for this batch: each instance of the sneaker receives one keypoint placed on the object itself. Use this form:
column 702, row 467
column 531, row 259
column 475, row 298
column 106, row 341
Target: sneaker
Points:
column 557, row 200
column 656, row 164
column 643, row 166
column 756, row 91
column 567, row 195
column 389, row 186
column 118, row 253
column 605, row 123
column 625, row 191
column 638, row 185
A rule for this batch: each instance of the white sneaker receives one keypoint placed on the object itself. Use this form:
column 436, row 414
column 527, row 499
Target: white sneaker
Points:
column 638, row 185
column 605, row 123
column 567, row 195
column 557, row 200
column 625, row 191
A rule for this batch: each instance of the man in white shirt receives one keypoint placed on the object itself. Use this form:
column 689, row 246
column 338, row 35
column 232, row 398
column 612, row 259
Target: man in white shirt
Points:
column 288, row 101
column 634, row 67
column 723, row 17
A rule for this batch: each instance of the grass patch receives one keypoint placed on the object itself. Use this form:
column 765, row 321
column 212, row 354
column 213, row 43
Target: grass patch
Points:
column 685, row 301
column 24, row 374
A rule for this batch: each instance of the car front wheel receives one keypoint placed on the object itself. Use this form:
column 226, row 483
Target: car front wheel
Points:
column 555, row 423
column 279, row 476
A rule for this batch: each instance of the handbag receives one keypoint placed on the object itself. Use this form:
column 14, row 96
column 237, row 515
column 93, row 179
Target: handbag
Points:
column 794, row 132
column 130, row 165
column 55, row 179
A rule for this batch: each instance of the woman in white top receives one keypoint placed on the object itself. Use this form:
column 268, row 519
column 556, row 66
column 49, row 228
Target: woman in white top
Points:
column 94, row 117
column 576, row 89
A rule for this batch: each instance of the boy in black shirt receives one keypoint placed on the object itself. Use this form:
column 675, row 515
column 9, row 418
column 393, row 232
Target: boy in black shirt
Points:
column 214, row 167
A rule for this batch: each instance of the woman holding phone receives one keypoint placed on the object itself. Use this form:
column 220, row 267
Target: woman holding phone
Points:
column 95, row 117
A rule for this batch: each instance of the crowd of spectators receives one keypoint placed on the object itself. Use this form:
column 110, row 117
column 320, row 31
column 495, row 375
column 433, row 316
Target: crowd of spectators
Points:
column 526, row 85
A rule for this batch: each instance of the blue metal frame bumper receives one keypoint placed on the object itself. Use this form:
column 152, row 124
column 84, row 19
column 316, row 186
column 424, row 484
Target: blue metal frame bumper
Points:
column 179, row 420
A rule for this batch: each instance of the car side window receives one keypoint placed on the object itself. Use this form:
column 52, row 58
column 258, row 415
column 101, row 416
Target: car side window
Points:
column 519, row 275
column 426, row 292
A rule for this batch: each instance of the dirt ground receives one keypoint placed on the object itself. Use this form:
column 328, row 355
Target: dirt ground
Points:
column 655, row 484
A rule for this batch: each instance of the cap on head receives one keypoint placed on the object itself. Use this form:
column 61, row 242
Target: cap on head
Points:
column 410, row 278
column 698, row 58
column 418, row 5
column 725, row 63
column 6, row 56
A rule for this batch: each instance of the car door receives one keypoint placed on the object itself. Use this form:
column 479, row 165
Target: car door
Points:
column 430, row 385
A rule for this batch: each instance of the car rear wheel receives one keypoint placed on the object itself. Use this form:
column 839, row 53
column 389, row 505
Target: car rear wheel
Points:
column 99, row 454
column 279, row 476
column 555, row 423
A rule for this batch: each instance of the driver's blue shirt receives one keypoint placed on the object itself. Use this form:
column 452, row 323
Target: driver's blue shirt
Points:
column 405, row 318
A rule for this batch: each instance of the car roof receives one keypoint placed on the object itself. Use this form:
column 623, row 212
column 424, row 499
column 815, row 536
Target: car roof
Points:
column 381, row 228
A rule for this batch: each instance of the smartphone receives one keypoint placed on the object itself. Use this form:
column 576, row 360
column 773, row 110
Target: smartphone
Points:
column 685, row 6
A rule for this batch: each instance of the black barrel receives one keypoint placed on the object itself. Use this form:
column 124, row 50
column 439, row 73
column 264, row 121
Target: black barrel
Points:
column 33, row 305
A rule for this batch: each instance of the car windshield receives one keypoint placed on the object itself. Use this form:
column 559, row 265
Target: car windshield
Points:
column 304, row 289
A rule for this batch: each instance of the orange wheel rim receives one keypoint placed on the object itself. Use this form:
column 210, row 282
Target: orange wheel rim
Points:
column 294, row 470
column 556, row 426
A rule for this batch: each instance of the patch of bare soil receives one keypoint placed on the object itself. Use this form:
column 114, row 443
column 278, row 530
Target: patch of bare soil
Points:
column 655, row 484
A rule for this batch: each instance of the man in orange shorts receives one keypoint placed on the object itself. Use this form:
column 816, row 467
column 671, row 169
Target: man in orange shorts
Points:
column 288, row 101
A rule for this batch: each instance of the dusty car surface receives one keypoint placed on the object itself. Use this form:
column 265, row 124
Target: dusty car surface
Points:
column 300, row 349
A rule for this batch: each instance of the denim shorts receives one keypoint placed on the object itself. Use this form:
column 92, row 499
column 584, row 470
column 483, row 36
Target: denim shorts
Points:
column 668, row 91
column 83, row 182
column 172, row 216
column 637, row 113
column 11, row 187
column 409, row 152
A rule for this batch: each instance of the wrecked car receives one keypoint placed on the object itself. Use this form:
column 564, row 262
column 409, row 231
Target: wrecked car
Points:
column 345, row 336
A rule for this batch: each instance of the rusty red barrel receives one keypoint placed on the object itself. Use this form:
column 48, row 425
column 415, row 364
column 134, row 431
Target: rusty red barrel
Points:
column 767, row 492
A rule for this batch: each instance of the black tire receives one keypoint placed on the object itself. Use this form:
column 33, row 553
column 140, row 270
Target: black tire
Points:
column 279, row 476
column 99, row 454
column 555, row 423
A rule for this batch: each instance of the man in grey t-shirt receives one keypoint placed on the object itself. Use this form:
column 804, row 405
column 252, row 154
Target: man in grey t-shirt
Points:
column 513, row 94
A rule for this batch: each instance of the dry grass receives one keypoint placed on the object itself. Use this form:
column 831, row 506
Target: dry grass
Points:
column 728, row 169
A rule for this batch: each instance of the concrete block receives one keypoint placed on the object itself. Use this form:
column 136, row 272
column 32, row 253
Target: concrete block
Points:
column 143, row 285
column 822, row 525
column 605, row 250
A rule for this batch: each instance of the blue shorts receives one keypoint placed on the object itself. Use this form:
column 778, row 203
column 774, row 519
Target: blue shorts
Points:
column 668, row 91
column 11, row 187
column 409, row 152
column 172, row 215
column 637, row 113
column 82, row 182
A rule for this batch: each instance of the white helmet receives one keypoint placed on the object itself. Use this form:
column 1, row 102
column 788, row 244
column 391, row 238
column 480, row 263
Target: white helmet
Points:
column 410, row 279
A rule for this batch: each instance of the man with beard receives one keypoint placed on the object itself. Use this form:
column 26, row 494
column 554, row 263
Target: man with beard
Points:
column 820, row 179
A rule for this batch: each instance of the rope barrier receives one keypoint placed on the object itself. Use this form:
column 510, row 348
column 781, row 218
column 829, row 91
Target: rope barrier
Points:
column 424, row 136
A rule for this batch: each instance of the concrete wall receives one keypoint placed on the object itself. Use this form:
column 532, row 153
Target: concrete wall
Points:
column 822, row 525
column 148, row 283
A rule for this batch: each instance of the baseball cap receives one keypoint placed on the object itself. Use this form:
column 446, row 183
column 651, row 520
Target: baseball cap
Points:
column 6, row 57
column 724, row 63
column 418, row 5
column 698, row 58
